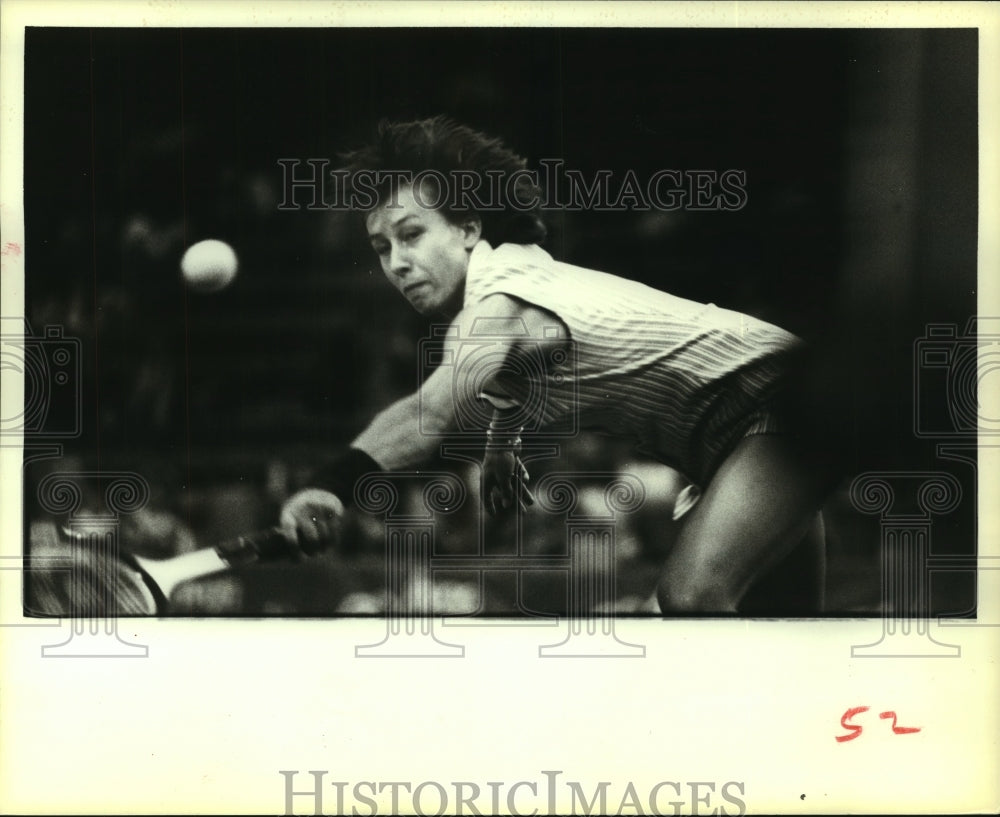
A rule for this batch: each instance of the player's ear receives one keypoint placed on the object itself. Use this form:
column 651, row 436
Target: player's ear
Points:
column 472, row 230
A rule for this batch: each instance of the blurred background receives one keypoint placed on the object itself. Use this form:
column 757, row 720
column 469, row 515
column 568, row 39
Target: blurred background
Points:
column 859, row 230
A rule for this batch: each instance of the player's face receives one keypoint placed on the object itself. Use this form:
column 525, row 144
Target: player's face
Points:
column 423, row 254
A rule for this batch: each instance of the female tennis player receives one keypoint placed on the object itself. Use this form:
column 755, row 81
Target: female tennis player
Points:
column 694, row 386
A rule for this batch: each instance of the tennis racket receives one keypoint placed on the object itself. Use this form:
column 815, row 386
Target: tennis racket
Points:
column 85, row 577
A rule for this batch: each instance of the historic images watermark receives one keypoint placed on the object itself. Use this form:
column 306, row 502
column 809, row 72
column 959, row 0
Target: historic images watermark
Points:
column 951, row 404
column 500, row 366
column 49, row 364
column 74, row 566
column 548, row 794
column 310, row 184
column 414, row 506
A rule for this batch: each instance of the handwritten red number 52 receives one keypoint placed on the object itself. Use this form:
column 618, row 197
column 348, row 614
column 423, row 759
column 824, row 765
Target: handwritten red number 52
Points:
column 854, row 729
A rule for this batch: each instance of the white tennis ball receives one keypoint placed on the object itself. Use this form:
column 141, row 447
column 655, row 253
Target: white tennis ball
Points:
column 209, row 265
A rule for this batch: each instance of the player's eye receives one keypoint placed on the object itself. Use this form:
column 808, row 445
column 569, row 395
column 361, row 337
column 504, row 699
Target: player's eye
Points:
column 411, row 235
column 380, row 247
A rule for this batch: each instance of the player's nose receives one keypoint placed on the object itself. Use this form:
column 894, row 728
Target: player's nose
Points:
column 399, row 262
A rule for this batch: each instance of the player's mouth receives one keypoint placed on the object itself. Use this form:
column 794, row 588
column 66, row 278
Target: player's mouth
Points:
column 409, row 288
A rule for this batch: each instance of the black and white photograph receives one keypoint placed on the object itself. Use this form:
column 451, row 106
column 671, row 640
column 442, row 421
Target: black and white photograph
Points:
column 603, row 337
column 777, row 217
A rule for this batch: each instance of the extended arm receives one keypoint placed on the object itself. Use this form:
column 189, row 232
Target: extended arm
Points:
column 410, row 430
column 401, row 436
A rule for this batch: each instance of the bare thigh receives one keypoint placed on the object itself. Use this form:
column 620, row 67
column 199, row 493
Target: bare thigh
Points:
column 796, row 585
column 760, row 504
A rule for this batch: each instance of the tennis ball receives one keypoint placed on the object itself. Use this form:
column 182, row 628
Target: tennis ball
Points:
column 209, row 265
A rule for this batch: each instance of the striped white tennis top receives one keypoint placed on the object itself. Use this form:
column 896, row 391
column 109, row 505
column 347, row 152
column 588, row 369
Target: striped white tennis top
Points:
column 684, row 380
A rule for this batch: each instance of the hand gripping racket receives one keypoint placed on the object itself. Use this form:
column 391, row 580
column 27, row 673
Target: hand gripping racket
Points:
column 86, row 579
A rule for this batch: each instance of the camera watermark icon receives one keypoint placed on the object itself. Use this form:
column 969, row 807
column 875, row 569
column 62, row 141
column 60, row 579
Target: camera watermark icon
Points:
column 501, row 365
column 412, row 505
column 951, row 377
column 50, row 367
column 47, row 366
column 80, row 575
column 955, row 375
column 956, row 400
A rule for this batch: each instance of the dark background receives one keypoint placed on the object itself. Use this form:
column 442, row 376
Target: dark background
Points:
column 860, row 149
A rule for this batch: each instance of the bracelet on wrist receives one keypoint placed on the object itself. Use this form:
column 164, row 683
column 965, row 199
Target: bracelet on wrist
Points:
column 505, row 439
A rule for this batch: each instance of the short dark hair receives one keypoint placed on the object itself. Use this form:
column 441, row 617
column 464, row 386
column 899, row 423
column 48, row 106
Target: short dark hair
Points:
column 439, row 145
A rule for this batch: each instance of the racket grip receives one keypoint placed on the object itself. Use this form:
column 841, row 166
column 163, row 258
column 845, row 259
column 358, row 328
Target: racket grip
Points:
column 271, row 543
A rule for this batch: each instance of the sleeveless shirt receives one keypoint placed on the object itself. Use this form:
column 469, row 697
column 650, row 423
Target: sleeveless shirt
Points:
column 683, row 380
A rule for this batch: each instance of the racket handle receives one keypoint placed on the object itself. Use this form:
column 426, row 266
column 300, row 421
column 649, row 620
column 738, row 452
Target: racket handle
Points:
column 271, row 543
column 167, row 574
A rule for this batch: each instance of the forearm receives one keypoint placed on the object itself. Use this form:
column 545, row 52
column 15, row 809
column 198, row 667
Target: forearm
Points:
column 399, row 437
column 394, row 440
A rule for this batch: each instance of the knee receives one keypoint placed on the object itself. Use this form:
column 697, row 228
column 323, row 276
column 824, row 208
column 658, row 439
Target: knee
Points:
column 687, row 595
